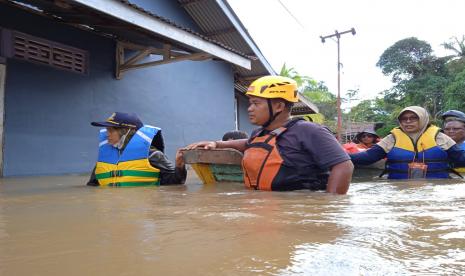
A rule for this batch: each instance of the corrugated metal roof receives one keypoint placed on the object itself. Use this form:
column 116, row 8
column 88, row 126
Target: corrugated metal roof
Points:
column 215, row 19
column 78, row 15
column 217, row 42
column 211, row 19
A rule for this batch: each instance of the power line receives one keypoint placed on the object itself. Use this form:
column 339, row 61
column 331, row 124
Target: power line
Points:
column 291, row 14
column 338, row 103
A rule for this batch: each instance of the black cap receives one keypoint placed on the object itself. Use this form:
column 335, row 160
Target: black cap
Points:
column 453, row 115
column 120, row 119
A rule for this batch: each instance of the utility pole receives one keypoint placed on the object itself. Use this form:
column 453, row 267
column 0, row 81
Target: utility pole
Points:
column 338, row 103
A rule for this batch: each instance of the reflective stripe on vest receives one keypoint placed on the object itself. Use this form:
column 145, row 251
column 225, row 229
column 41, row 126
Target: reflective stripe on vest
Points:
column 132, row 167
column 425, row 150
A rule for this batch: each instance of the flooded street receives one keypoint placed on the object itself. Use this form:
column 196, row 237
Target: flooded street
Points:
column 57, row 226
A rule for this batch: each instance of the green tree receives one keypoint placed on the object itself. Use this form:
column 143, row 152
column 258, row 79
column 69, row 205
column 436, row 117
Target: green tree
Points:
column 454, row 96
column 367, row 111
column 426, row 91
column 457, row 46
column 420, row 77
column 290, row 72
column 454, row 93
column 456, row 64
column 316, row 92
column 376, row 111
column 405, row 59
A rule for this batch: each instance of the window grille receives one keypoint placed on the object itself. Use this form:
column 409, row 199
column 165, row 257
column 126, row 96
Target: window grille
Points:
column 42, row 51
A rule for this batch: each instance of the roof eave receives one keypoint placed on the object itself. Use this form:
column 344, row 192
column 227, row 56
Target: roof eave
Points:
column 308, row 103
column 241, row 29
column 123, row 12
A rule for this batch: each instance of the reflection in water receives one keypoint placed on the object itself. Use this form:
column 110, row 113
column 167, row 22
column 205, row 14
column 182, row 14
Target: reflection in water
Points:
column 57, row 226
column 337, row 259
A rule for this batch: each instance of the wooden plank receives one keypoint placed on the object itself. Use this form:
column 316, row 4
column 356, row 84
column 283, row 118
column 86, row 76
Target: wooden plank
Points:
column 196, row 56
column 139, row 56
column 204, row 172
column 166, row 51
column 227, row 173
column 214, row 156
column 156, row 51
column 119, row 60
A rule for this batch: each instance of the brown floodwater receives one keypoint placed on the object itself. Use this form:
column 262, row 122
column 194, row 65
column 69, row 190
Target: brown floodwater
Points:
column 58, row 226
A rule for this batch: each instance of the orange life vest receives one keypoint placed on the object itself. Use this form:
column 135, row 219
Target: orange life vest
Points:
column 354, row 148
column 265, row 169
column 262, row 161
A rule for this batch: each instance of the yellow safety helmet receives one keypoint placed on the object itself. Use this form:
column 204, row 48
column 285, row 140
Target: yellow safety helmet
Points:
column 272, row 87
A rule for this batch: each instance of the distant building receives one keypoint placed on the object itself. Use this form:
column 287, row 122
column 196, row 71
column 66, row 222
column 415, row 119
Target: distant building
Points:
column 350, row 130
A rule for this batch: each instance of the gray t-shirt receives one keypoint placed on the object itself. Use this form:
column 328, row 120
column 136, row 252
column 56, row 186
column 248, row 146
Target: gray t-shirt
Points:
column 306, row 144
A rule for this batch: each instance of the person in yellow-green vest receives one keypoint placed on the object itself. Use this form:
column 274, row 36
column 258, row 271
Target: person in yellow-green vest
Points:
column 131, row 154
column 415, row 149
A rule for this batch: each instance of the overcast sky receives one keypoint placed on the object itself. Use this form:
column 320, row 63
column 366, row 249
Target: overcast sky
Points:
column 293, row 37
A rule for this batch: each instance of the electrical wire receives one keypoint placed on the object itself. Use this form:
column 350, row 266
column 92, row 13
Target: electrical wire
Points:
column 291, row 14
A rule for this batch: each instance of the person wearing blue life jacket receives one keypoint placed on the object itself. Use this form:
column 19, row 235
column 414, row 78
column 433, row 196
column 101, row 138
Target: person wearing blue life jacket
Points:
column 452, row 115
column 415, row 149
column 454, row 127
column 132, row 154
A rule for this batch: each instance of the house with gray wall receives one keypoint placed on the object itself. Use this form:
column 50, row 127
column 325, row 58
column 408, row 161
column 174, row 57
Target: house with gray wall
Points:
column 180, row 65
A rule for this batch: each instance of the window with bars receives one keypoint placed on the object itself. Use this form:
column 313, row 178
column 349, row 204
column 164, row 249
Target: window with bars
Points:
column 37, row 50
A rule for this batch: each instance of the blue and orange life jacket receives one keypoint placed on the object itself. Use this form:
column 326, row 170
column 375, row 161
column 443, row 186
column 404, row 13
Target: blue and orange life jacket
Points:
column 265, row 169
column 425, row 150
column 131, row 167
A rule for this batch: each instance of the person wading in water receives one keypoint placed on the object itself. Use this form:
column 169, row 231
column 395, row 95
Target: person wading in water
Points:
column 286, row 154
column 131, row 154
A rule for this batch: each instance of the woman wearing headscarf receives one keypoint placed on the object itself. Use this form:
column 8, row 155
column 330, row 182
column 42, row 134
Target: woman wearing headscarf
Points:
column 415, row 149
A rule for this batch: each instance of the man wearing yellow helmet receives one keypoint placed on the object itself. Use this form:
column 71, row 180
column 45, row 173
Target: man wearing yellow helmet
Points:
column 285, row 154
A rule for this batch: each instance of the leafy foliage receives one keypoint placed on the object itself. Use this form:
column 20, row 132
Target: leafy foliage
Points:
column 290, row 72
column 316, row 92
column 419, row 77
column 406, row 59
column 457, row 46
column 454, row 96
